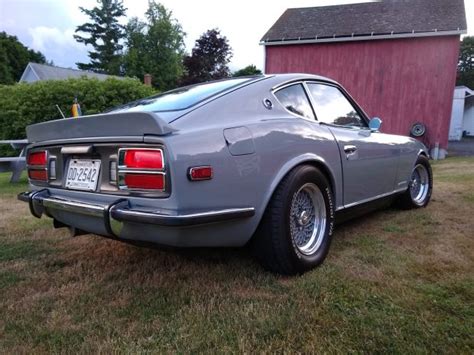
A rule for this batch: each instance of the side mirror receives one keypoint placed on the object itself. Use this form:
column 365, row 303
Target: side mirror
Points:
column 374, row 124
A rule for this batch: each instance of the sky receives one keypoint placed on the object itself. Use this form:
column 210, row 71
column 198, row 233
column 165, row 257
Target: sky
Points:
column 48, row 25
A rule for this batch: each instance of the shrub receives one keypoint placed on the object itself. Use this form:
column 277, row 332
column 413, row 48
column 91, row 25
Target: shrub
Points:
column 24, row 104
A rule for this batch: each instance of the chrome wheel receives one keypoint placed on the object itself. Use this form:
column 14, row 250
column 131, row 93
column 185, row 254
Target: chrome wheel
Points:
column 420, row 184
column 308, row 219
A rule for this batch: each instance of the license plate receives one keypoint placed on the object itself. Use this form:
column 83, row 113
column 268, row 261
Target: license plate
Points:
column 83, row 174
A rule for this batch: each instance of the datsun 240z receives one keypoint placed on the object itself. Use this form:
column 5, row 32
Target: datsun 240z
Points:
column 269, row 161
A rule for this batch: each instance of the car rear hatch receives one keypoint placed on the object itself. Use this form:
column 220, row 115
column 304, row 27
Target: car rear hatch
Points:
column 96, row 153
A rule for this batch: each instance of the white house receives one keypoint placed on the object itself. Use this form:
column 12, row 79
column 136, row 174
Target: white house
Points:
column 36, row 72
column 462, row 117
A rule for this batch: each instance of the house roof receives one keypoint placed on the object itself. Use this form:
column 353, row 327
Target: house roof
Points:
column 461, row 92
column 49, row 72
column 372, row 20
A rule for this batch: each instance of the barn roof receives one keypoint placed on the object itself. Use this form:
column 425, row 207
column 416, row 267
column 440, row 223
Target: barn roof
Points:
column 365, row 21
column 49, row 72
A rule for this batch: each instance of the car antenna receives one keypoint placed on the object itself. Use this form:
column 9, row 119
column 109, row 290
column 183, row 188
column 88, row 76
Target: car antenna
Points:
column 61, row 112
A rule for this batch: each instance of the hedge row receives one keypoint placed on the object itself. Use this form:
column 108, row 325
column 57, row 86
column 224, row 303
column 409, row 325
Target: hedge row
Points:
column 24, row 104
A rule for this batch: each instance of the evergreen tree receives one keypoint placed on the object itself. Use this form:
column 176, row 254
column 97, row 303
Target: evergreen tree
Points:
column 14, row 57
column 209, row 58
column 105, row 34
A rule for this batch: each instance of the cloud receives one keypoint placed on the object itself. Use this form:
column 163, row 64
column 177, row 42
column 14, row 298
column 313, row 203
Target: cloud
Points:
column 58, row 45
column 48, row 25
column 44, row 37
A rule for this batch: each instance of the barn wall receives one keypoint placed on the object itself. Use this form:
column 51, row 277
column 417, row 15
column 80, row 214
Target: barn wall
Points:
column 403, row 81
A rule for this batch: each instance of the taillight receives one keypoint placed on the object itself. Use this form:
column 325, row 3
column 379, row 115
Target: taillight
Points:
column 38, row 175
column 144, row 181
column 143, row 159
column 141, row 169
column 37, row 158
column 37, row 164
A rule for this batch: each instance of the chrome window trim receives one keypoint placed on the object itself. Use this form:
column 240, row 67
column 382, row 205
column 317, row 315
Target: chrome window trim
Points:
column 351, row 101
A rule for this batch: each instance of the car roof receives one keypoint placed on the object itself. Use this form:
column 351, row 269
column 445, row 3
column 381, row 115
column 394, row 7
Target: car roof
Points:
column 279, row 79
column 270, row 81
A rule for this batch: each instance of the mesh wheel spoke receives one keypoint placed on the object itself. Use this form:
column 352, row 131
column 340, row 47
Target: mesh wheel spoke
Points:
column 308, row 218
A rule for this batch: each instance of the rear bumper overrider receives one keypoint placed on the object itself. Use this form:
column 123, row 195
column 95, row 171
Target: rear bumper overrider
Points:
column 120, row 212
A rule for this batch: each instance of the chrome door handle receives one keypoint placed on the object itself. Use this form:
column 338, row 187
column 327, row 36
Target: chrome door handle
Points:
column 349, row 149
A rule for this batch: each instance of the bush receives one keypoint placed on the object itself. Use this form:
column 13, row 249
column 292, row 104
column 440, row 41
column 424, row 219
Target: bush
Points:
column 25, row 104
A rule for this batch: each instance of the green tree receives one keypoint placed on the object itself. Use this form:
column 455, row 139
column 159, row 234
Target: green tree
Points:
column 209, row 58
column 155, row 47
column 14, row 57
column 248, row 70
column 466, row 63
column 104, row 35
column 135, row 61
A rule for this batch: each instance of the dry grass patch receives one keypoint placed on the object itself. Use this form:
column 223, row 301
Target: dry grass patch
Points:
column 394, row 281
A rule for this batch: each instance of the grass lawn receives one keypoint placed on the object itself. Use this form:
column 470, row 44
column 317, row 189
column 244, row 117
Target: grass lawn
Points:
column 394, row 281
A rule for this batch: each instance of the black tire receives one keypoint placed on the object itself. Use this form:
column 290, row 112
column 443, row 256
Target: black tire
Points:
column 410, row 199
column 274, row 244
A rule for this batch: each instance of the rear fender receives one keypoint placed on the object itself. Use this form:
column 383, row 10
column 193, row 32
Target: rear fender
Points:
column 308, row 158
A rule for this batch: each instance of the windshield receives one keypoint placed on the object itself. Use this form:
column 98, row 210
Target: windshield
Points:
column 182, row 98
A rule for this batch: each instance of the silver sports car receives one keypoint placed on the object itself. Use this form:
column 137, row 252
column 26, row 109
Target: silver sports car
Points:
column 269, row 161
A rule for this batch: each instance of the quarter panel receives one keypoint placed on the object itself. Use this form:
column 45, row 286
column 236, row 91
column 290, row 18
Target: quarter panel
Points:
column 284, row 144
column 250, row 179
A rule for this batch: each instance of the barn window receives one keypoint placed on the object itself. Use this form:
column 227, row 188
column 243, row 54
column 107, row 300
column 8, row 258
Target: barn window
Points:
column 294, row 99
column 333, row 107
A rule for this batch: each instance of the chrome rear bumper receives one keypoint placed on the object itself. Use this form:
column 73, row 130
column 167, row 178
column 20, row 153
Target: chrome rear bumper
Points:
column 120, row 211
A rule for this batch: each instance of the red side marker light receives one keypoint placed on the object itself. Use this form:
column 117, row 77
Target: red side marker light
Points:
column 200, row 173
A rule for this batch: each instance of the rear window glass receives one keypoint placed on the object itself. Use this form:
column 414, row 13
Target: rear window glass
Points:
column 182, row 98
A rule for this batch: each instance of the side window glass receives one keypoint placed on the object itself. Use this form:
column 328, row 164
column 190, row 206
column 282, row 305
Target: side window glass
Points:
column 332, row 107
column 294, row 99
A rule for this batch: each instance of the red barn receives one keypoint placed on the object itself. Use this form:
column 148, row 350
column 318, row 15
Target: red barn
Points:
column 397, row 58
